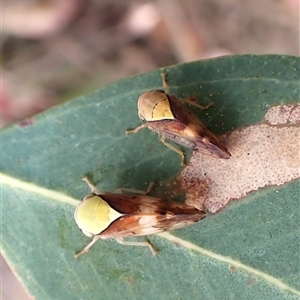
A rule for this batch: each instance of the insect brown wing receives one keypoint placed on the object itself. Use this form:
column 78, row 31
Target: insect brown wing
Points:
column 148, row 215
column 131, row 204
column 194, row 134
column 128, row 226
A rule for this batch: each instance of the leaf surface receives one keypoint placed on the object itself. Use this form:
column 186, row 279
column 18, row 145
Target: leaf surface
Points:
column 250, row 250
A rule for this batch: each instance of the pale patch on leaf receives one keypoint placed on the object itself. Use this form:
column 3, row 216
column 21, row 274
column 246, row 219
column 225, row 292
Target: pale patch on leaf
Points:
column 262, row 155
column 286, row 114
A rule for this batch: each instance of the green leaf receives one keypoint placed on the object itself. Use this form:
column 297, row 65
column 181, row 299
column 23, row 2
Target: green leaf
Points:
column 250, row 250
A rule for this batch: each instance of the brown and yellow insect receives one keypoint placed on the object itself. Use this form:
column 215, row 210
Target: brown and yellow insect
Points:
column 118, row 216
column 166, row 115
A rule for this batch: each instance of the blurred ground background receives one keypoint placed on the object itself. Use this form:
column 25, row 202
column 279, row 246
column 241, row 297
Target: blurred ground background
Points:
column 55, row 50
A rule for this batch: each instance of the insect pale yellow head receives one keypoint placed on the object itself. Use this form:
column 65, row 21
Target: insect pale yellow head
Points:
column 93, row 215
column 154, row 106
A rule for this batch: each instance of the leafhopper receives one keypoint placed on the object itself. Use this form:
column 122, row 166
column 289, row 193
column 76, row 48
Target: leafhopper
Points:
column 166, row 115
column 119, row 216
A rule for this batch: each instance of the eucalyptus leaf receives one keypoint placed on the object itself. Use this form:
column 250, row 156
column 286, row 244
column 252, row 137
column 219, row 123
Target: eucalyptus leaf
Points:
column 249, row 250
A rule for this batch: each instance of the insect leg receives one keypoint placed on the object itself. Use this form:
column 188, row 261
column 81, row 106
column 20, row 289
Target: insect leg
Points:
column 144, row 244
column 163, row 140
column 164, row 82
column 127, row 132
column 191, row 102
column 184, row 100
column 91, row 186
column 134, row 191
column 88, row 246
